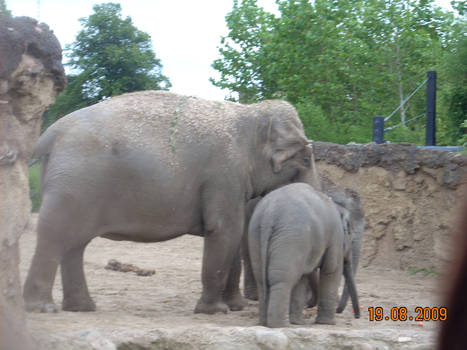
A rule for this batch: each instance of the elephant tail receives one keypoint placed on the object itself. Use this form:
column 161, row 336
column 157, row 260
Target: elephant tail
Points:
column 45, row 144
column 42, row 152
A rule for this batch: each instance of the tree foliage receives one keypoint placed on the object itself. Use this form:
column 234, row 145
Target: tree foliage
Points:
column 455, row 90
column 3, row 8
column 109, row 57
column 340, row 62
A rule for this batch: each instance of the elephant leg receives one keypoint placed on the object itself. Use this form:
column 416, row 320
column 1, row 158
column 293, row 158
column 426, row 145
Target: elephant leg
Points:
column 313, row 279
column 350, row 284
column 231, row 295
column 249, row 282
column 38, row 286
column 223, row 233
column 278, row 306
column 263, row 303
column 329, row 278
column 298, row 301
column 284, row 271
column 75, row 290
column 355, row 252
column 37, row 291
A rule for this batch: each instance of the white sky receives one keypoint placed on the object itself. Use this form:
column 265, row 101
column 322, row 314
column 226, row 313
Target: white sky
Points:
column 185, row 33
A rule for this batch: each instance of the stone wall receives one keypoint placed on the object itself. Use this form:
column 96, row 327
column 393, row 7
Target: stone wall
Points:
column 31, row 75
column 410, row 196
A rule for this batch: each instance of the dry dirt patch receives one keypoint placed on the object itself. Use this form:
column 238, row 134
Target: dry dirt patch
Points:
column 155, row 310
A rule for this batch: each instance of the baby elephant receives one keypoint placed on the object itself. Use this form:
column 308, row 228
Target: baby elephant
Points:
column 293, row 231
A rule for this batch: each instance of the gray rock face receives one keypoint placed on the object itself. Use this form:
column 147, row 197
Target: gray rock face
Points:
column 31, row 75
column 410, row 197
column 394, row 158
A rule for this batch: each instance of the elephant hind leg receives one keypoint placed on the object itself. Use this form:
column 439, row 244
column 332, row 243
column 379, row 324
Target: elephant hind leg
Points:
column 329, row 278
column 38, row 286
column 278, row 306
column 75, row 290
column 298, row 301
column 39, row 282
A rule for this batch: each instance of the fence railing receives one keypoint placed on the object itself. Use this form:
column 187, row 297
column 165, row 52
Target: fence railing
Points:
column 430, row 135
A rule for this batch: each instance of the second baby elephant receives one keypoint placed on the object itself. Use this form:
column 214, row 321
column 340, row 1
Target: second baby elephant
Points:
column 293, row 231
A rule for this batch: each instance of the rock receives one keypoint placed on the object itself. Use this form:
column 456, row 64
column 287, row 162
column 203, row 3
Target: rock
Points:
column 408, row 194
column 96, row 340
column 31, row 75
column 272, row 339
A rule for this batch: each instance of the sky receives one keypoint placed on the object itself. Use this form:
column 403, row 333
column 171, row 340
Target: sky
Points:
column 185, row 33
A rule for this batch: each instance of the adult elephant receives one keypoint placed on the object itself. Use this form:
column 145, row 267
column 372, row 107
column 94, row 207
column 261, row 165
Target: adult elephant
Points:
column 151, row 166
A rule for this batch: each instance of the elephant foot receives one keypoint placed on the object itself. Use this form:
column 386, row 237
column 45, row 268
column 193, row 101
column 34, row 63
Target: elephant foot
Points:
column 236, row 302
column 312, row 302
column 210, row 308
column 47, row 307
column 251, row 293
column 320, row 319
column 297, row 320
column 277, row 324
column 84, row 305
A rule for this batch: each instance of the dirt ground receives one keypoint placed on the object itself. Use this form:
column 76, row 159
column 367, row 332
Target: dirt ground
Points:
column 167, row 298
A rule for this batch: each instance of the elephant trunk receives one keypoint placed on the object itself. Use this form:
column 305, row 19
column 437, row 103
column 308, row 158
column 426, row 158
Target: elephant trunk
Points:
column 356, row 249
column 352, row 290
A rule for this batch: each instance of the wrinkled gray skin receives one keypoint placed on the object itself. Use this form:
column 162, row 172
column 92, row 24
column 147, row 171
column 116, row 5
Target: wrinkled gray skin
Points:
column 350, row 200
column 151, row 166
column 293, row 231
column 313, row 278
column 345, row 198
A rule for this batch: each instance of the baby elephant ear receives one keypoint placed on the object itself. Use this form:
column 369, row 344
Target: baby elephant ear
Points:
column 345, row 218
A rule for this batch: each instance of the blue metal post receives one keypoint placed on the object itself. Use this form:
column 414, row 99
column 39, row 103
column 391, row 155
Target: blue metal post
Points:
column 378, row 129
column 430, row 139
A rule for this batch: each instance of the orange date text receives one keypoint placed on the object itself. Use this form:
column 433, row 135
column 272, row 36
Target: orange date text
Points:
column 401, row 313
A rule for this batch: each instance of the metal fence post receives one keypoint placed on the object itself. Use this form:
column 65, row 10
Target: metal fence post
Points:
column 378, row 129
column 430, row 139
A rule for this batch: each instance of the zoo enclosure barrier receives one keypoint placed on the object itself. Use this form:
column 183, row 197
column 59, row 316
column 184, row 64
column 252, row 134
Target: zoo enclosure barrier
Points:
column 430, row 135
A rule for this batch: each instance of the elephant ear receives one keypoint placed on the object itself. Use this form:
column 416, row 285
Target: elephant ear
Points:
column 345, row 218
column 285, row 141
column 280, row 156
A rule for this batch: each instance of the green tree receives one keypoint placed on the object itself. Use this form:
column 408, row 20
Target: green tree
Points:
column 109, row 57
column 3, row 8
column 344, row 61
column 242, row 62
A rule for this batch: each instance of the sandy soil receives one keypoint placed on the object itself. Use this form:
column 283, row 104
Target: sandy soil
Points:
column 167, row 298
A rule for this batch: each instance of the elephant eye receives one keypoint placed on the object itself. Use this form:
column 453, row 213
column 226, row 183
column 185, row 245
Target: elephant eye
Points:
column 307, row 161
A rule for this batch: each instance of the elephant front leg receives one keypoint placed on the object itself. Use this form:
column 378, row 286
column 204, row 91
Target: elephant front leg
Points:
column 313, row 279
column 231, row 295
column 223, row 233
column 75, row 290
column 249, row 282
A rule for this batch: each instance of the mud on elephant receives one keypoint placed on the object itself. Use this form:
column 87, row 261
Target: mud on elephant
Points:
column 293, row 231
column 151, row 166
